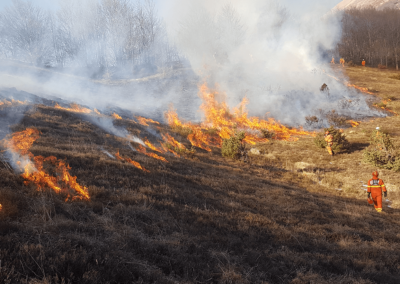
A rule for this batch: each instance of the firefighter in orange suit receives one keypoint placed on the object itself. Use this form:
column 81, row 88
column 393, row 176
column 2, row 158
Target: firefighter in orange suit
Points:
column 333, row 60
column 363, row 62
column 329, row 142
column 375, row 187
column 342, row 61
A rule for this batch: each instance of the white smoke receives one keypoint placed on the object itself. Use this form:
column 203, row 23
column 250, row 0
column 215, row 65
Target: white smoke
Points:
column 261, row 50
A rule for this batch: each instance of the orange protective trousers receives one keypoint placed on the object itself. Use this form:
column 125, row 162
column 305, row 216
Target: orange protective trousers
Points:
column 376, row 194
column 329, row 148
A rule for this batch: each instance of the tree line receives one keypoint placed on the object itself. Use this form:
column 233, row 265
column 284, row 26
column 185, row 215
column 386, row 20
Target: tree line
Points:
column 371, row 34
column 98, row 35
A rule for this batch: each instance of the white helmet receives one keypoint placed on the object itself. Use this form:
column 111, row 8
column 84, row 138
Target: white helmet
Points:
column 377, row 128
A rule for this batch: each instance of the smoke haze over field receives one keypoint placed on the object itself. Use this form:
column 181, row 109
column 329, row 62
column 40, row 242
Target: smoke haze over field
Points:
column 274, row 55
column 262, row 50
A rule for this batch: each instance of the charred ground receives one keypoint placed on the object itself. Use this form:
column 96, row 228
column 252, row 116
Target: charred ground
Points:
column 204, row 219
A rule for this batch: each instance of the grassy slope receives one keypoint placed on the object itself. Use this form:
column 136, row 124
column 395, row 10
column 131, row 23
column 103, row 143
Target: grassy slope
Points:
column 201, row 220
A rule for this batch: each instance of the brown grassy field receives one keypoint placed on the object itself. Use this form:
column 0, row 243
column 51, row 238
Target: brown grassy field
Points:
column 280, row 218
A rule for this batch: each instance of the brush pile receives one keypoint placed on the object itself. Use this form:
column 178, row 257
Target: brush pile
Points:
column 382, row 153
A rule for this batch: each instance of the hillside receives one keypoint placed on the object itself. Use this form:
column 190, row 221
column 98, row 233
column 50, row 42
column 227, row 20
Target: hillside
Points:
column 359, row 4
column 290, row 215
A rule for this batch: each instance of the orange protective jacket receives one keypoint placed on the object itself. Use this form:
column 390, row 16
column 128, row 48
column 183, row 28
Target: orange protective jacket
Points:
column 375, row 187
column 363, row 63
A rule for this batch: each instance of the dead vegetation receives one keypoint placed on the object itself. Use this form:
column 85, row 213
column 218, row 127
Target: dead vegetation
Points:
column 201, row 220
column 292, row 214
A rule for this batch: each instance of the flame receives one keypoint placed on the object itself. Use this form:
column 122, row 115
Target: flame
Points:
column 142, row 150
column 136, row 164
column 143, row 121
column 363, row 90
column 152, row 147
column 12, row 103
column 116, row 116
column 96, row 111
column 74, row 108
column 224, row 123
column 1, row 207
column 33, row 172
column 354, row 123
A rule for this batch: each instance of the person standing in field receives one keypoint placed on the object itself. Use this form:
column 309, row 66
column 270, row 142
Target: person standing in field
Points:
column 333, row 60
column 363, row 62
column 375, row 187
column 329, row 142
column 342, row 61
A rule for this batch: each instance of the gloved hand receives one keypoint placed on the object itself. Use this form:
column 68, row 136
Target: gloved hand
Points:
column 369, row 194
column 385, row 194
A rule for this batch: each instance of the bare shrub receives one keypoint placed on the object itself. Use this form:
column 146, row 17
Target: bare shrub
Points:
column 334, row 119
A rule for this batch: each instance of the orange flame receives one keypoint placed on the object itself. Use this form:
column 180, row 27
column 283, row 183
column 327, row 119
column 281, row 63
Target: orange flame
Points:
column 152, row 147
column 354, row 123
column 20, row 143
column 12, row 103
column 116, row 116
column 144, row 121
column 136, row 164
column 363, row 90
column 1, row 207
column 142, row 150
column 224, row 122
column 74, row 108
column 96, row 111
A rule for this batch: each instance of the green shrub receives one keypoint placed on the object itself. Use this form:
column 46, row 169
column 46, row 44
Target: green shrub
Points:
column 234, row 147
column 382, row 153
column 339, row 139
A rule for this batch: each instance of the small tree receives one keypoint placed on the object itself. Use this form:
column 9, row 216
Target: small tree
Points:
column 382, row 153
column 339, row 139
column 234, row 147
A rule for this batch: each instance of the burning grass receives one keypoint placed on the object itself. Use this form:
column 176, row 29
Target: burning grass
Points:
column 34, row 172
column 223, row 122
column 210, row 219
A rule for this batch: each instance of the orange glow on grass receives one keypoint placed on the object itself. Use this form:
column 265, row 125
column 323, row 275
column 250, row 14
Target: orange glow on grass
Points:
column 224, row 122
column 34, row 172
column 144, row 121
column 136, row 164
column 74, row 108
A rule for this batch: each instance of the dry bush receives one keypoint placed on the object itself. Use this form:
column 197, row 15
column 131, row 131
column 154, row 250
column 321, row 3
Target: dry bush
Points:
column 183, row 131
column 351, row 63
column 265, row 133
column 380, row 66
column 334, row 119
column 382, row 153
column 396, row 77
column 340, row 142
column 312, row 120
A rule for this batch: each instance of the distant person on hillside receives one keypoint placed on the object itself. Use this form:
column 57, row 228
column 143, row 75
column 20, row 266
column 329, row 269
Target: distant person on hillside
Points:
column 329, row 142
column 363, row 62
column 375, row 187
column 342, row 61
column 333, row 60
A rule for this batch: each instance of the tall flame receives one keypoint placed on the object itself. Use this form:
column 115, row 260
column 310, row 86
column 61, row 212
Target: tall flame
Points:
column 224, row 122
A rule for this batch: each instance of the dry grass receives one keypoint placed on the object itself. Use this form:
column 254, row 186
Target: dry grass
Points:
column 277, row 219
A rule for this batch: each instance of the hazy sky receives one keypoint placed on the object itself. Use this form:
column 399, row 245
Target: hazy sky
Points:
column 295, row 5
